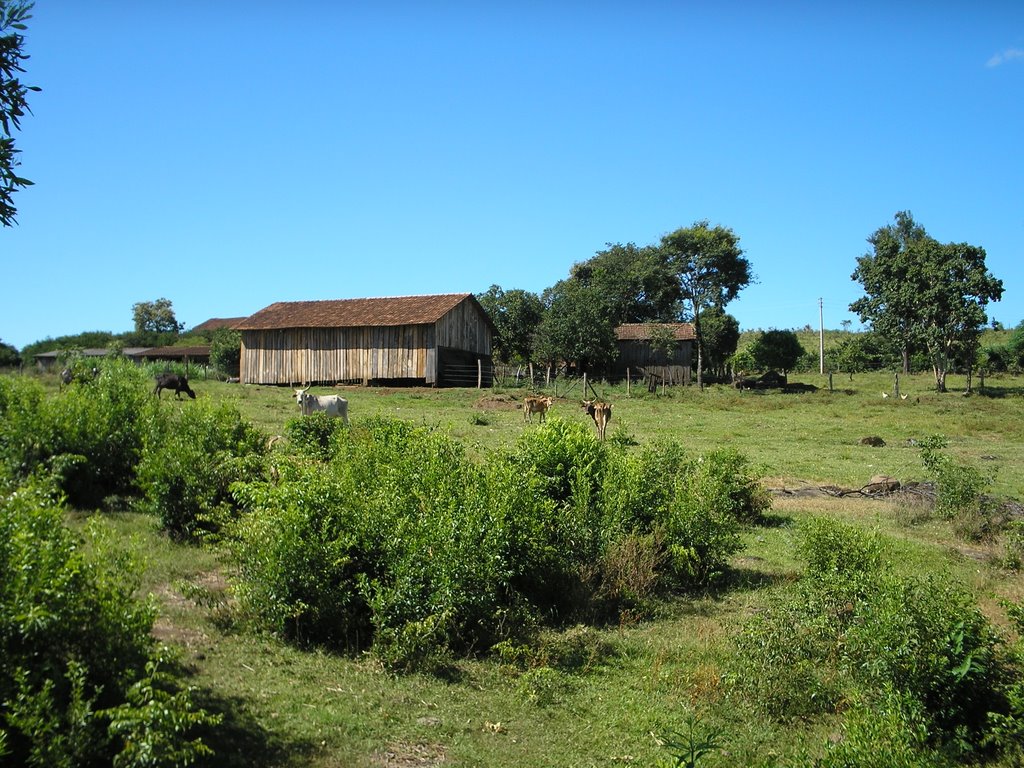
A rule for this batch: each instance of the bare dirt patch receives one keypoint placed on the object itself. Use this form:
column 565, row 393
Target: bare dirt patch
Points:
column 500, row 401
column 402, row 755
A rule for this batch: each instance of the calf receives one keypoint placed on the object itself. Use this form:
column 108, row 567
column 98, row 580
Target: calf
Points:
column 173, row 381
column 600, row 412
column 332, row 405
column 533, row 404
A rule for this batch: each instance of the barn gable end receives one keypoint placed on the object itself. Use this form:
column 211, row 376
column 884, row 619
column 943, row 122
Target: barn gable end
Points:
column 410, row 340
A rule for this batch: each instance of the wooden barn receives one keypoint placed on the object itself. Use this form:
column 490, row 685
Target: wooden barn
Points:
column 638, row 356
column 441, row 340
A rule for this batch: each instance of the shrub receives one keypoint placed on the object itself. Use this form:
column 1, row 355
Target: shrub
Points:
column 853, row 620
column 958, row 488
column 312, row 435
column 387, row 534
column 694, row 508
column 73, row 638
column 191, row 457
column 302, row 551
column 892, row 732
column 226, row 351
column 104, row 419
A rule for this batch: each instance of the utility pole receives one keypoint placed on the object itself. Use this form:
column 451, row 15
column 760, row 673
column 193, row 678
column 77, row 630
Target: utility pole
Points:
column 821, row 336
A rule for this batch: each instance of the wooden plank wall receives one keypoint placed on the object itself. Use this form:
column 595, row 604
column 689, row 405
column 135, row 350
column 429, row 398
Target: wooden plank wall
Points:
column 633, row 353
column 329, row 355
column 466, row 329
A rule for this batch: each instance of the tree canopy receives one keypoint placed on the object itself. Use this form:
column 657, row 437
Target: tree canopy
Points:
column 636, row 284
column 710, row 269
column 516, row 315
column 920, row 291
column 13, row 102
column 776, row 350
column 155, row 324
column 577, row 326
column 720, row 334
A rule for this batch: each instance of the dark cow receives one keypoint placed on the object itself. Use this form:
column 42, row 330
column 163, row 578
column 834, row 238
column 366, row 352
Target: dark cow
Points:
column 173, row 381
column 600, row 412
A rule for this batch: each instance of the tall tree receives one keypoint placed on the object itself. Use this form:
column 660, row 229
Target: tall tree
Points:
column 891, row 298
column 155, row 322
column 13, row 104
column 517, row 315
column 918, row 290
column 577, row 327
column 636, row 283
column 709, row 265
column 720, row 334
column 776, row 350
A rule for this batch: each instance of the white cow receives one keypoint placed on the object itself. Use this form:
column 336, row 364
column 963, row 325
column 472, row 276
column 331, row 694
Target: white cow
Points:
column 332, row 405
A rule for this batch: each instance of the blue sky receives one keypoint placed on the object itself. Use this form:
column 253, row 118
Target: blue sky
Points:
column 228, row 155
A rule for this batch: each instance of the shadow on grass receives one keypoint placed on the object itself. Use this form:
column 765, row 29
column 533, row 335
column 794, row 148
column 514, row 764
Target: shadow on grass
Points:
column 751, row 579
column 774, row 520
column 240, row 741
column 997, row 393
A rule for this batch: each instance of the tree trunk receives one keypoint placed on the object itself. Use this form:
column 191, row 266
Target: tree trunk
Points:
column 940, row 379
column 700, row 347
column 906, row 358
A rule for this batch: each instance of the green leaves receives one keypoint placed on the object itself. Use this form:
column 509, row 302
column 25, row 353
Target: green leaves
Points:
column 919, row 292
column 13, row 104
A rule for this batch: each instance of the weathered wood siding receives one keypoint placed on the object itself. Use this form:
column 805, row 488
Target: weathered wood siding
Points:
column 464, row 328
column 640, row 353
column 365, row 353
column 329, row 355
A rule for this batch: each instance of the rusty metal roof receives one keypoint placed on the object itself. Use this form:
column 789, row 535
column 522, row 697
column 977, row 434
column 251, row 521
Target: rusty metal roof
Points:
column 354, row 313
column 642, row 331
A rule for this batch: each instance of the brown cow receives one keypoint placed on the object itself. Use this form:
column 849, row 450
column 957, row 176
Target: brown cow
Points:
column 600, row 412
column 534, row 404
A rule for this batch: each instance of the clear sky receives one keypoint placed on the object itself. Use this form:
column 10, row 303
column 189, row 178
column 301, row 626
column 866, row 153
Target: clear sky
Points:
column 229, row 154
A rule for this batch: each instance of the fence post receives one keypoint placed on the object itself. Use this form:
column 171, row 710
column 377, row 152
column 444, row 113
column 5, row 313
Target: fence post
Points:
column 627, row 382
column 479, row 373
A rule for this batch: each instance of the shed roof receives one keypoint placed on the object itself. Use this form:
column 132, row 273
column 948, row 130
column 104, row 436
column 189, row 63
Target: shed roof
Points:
column 216, row 323
column 642, row 331
column 352, row 313
column 171, row 353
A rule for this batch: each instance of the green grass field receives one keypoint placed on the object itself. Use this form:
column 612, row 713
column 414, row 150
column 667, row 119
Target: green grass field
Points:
column 634, row 683
column 799, row 439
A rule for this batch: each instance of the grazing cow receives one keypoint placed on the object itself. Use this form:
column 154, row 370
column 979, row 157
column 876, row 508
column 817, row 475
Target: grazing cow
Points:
column 66, row 377
column 533, row 404
column 173, row 381
column 600, row 412
column 332, row 405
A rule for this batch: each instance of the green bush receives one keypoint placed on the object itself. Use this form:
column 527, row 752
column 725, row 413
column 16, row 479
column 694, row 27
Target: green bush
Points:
column 312, row 435
column 853, row 623
column 387, row 534
column 892, row 732
column 303, row 551
column 90, row 436
column 958, row 487
column 73, row 638
column 191, row 457
column 226, row 351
